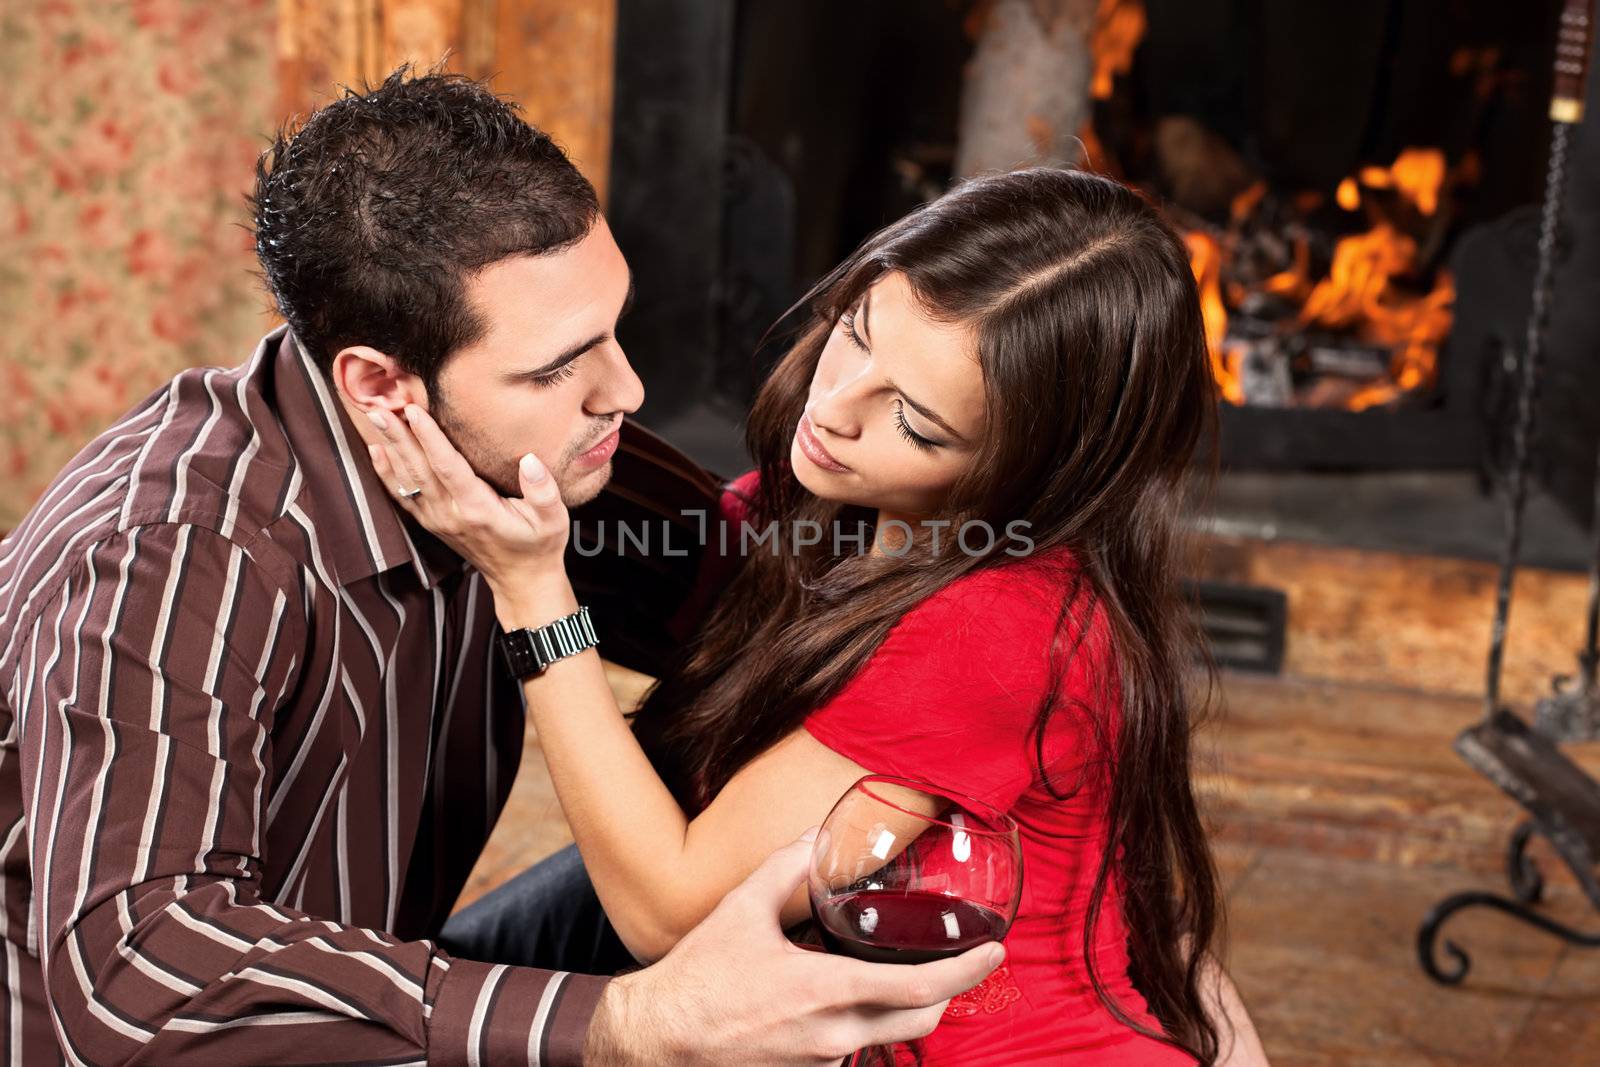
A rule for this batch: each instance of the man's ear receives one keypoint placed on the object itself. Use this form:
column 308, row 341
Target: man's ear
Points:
column 369, row 380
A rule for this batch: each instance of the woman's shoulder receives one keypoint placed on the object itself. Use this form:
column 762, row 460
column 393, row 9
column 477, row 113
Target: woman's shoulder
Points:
column 1022, row 621
column 953, row 692
column 1001, row 627
column 1015, row 591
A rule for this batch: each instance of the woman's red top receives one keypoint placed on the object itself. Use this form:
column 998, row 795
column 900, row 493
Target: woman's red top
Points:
column 951, row 697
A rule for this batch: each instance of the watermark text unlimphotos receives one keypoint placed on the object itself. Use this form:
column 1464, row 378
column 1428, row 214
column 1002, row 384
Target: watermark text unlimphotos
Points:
column 894, row 537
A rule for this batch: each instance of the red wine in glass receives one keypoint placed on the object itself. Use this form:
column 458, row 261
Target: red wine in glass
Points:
column 907, row 872
column 887, row 926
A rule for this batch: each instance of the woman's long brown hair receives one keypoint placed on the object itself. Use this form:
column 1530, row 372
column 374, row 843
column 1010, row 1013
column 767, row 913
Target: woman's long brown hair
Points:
column 1098, row 392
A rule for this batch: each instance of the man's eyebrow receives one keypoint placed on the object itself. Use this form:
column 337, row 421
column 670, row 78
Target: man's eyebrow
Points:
column 578, row 349
column 562, row 360
column 927, row 413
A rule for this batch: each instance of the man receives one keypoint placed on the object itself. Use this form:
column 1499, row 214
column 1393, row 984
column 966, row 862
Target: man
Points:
column 253, row 729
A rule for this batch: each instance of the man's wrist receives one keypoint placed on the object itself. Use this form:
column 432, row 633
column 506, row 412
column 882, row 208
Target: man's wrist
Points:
column 617, row 1036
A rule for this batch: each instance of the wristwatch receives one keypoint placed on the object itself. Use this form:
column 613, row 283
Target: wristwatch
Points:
column 528, row 652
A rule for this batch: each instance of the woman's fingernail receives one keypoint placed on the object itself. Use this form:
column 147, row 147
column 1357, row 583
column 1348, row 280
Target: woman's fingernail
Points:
column 532, row 469
column 378, row 420
column 997, row 954
column 412, row 413
column 811, row 834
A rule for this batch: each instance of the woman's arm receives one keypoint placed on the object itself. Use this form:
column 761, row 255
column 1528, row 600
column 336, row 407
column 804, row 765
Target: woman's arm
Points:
column 657, row 873
column 1239, row 1044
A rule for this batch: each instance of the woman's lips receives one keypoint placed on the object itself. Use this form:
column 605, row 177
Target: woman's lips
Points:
column 813, row 448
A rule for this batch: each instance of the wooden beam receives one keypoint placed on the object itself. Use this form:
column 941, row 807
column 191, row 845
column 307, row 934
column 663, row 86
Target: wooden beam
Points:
column 554, row 57
column 323, row 44
column 1410, row 621
column 557, row 58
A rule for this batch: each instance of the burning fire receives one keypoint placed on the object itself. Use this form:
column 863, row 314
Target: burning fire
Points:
column 1118, row 28
column 1359, row 295
column 1362, row 310
column 1418, row 174
column 1362, row 296
column 1205, row 256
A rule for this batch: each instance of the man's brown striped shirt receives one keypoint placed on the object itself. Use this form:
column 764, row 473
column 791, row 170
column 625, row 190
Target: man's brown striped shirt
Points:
column 253, row 735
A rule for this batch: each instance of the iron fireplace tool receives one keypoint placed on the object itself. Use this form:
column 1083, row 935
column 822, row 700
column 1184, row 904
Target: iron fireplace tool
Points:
column 1526, row 762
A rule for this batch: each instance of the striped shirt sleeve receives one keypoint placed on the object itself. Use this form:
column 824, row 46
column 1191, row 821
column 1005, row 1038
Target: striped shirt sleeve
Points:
column 146, row 708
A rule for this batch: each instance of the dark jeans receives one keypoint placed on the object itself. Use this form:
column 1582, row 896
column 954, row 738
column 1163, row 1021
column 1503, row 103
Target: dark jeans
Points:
column 548, row 916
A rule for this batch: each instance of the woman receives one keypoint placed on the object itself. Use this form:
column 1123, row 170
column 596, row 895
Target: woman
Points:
column 1017, row 371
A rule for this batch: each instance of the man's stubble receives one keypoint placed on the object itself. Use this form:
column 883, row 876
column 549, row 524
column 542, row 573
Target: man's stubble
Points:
column 500, row 471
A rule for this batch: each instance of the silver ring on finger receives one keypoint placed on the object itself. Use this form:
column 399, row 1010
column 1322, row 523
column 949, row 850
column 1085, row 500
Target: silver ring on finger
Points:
column 407, row 494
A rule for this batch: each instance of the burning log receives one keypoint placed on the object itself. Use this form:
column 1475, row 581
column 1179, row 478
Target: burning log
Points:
column 1265, row 378
column 1282, row 297
column 1200, row 170
column 1295, row 313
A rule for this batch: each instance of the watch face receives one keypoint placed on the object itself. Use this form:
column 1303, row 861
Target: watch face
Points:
column 521, row 654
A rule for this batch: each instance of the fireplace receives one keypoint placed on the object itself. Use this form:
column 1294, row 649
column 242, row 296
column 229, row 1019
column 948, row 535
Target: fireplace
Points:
column 1332, row 167
column 1357, row 182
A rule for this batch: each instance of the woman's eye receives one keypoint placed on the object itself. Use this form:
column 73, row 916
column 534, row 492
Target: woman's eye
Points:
column 917, row 440
column 848, row 321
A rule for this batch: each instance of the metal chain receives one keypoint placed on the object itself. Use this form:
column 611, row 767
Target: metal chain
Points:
column 1527, row 399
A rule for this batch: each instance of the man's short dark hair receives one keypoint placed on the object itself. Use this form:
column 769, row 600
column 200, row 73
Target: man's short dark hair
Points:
column 372, row 215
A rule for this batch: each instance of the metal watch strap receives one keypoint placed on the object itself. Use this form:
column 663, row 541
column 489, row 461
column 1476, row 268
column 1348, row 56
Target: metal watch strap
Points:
column 529, row 652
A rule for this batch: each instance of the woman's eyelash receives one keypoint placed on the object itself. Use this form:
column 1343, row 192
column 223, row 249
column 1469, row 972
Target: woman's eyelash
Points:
column 848, row 320
column 560, row 374
column 916, row 439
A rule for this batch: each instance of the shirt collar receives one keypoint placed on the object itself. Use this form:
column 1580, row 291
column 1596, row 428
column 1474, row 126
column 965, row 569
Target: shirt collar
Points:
column 359, row 527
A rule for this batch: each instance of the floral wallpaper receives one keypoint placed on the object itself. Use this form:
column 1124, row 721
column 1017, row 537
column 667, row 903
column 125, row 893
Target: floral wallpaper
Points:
column 128, row 136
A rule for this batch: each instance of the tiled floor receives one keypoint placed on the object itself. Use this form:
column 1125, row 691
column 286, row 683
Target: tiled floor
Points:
column 1340, row 816
column 1344, row 816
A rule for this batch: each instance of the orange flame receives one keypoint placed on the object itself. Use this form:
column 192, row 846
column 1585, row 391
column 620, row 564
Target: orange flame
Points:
column 1358, row 280
column 1118, row 27
column 1359, row 295
column 1415, row 329
column 1417, row 174
column 1205, row 257
column 1245, row 203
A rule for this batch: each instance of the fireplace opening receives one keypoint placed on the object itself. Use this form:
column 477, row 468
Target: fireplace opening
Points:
column 1331, row 166
column 1357, row 182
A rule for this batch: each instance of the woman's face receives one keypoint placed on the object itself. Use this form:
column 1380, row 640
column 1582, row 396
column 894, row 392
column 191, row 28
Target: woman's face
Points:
column 895, row 411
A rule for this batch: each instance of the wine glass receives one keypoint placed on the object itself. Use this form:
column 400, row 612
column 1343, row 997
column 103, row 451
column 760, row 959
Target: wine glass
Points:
column 906, row 872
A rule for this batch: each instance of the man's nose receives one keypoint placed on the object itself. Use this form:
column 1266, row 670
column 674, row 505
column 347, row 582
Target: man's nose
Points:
column 619, row 388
